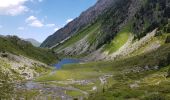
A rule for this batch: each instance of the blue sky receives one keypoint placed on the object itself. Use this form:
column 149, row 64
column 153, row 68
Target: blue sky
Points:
column 38, row 18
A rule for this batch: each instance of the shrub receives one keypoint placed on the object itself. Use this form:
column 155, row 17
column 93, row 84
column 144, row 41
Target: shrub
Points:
column 155, row 97
column 168, row 74
column 167, row 39
column 6, row 87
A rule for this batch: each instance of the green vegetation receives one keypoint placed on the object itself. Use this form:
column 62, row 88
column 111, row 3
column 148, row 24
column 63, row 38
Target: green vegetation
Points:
column 168, row 73
column 94, row 33
column 119, row 40
column 147, row 85
column 26, row 94
column 74, row 93
column 6, row 87
column 89, row 30
column 16, row 46
column 151, row 15
column 138, row 77
column 71, row 72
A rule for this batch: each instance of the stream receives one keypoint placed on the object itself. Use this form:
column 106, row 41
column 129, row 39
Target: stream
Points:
column 53, row 91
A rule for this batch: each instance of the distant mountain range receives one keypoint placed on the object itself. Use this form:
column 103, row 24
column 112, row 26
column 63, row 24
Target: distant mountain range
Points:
column 33, row 42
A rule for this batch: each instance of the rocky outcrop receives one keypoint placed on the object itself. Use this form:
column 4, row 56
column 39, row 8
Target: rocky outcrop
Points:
column 20, row 67
column 77, row 48
column 128, row 48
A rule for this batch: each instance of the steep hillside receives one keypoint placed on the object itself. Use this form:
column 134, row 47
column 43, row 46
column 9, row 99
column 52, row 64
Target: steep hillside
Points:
column 20, row 61
column 17, row 46
column 144, row 76
column 86, row 18
column 122, row 21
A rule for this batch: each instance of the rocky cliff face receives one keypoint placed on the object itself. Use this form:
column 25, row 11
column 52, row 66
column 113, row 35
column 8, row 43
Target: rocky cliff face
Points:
column 86, row 18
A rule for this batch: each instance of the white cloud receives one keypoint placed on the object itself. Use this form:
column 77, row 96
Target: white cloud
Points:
column 31, row 18
column 12, row 7
column 21, row 28
column 34, row 22
column 36, row 0
column 69, row 20
column 50, row 25
column 56, row 29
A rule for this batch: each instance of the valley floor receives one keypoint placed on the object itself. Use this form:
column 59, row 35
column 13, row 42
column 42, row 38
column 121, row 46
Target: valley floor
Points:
column 138, row 76
column 141, row 77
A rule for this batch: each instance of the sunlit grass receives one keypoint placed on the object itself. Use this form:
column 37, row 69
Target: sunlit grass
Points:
column 119, row 40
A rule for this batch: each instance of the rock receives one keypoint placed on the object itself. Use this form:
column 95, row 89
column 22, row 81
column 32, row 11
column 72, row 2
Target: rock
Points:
column 156, row 67
column 146, row 67
column 94, row 88
column 4, row 55
column 135, row 85
column 20, row 66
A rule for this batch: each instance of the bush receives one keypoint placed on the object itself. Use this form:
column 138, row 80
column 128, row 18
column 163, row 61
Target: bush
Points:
column 6, row 87
column 167, row 39
column 168, row 74
column 155, row 97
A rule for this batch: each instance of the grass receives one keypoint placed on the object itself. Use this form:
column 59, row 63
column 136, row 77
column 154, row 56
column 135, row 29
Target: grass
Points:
column 89, row 30
column 147, row 90
column 95, row 69
column 62, row 75
column 161, row 39
column 74, row 93
column 119, row 40
column 16, row 46
column 27, row 94
column 118, row 86
column 94, row 33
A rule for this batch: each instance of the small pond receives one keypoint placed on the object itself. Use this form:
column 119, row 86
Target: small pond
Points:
column 66, row 61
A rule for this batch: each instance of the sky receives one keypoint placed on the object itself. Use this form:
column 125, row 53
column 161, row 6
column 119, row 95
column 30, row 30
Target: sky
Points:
column 38, row 19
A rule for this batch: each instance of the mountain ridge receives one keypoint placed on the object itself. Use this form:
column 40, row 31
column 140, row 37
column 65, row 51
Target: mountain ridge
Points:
column 84, row 19
column 136, row 17
column 124, row 54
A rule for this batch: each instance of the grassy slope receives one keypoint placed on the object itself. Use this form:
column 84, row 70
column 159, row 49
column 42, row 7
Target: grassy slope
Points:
column 119, row 40
column 18, row 47
column 7, row 74
column 89, row 30
column 84, row 71
column 118, row 87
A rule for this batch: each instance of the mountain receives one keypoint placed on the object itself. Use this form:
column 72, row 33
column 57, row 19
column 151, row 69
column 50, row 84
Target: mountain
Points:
column 108, row 21
column 33, row 42
column 124, row 52
column 86, row 18
column 17, row 46
column 20, row 61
